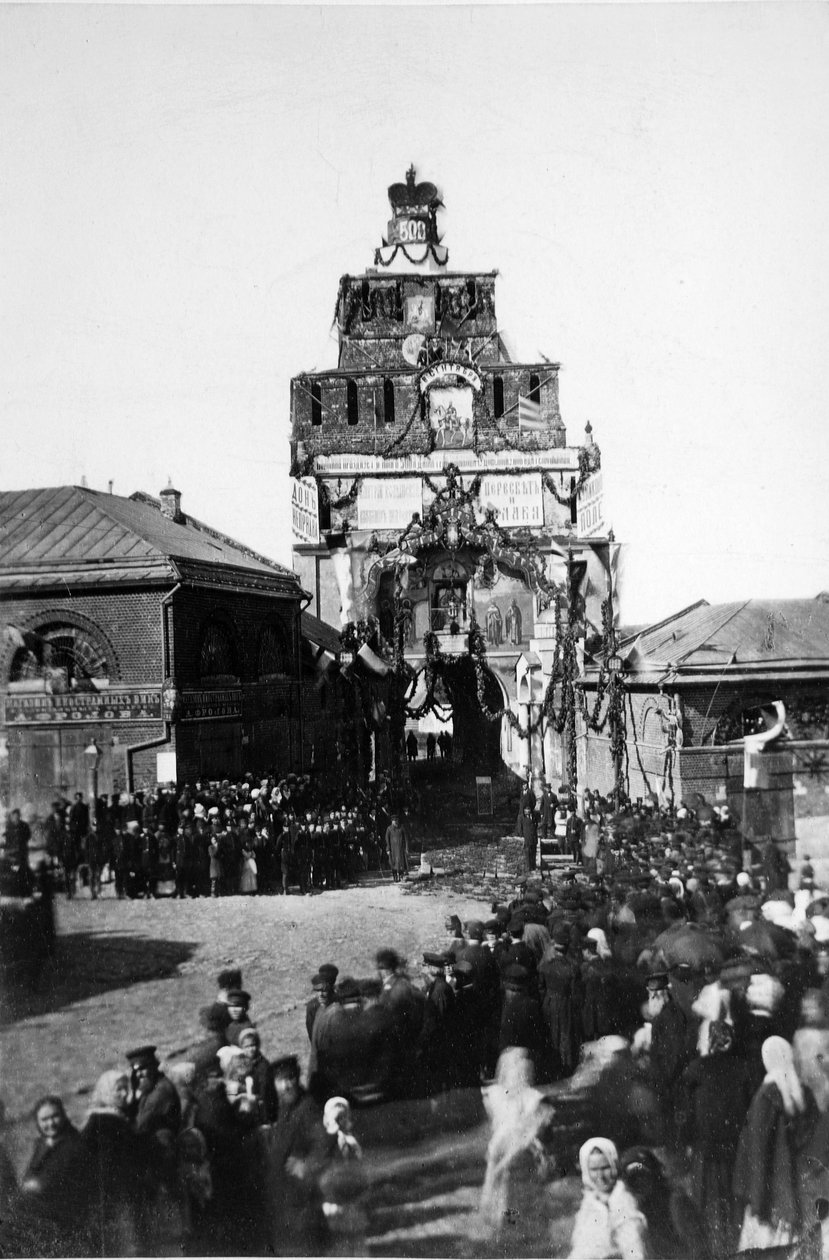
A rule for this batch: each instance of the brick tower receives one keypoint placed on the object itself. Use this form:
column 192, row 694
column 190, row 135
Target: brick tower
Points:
column 436, row 494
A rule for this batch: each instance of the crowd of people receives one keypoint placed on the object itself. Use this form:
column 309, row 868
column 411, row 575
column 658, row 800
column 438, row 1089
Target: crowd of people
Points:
column 659, row 1014
column 215, row 839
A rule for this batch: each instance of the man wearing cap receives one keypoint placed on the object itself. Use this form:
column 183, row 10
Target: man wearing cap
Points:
column 435, row 1035
column 238, row 1005
column 323, row 985
column 405, row 1005
column 156, row 1110
column 522, row 1023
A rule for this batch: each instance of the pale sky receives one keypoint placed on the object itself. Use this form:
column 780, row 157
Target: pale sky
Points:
column 183, row 187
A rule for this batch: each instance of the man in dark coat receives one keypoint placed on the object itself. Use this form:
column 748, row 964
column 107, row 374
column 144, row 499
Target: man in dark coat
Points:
column 435, row 1034
column 529, row 835
column 559, row 981
column 294, row 1152
column 323, row 985
column 522, row 1023
column 156, row 1109
column 78, row 823
column 405, row 1005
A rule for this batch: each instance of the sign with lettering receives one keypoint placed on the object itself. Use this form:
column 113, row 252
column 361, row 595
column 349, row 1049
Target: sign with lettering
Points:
column 201, row 706
column 590, row 508
column 409, row 230
column 388, row 504
column 305, row 520
column 108, row 705
column 449, row 372
column 517, row 500
column 349, row 464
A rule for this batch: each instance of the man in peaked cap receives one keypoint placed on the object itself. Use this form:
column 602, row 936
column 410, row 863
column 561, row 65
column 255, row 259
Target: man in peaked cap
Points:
column 435, row 1037
column 156, row 1110
column 323, row 985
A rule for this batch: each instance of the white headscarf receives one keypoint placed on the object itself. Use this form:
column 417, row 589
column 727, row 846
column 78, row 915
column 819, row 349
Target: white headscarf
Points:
column 605, row 1147
column 778, row 1060
column 336, row 1118
column 104, row 1098
column 602, row 947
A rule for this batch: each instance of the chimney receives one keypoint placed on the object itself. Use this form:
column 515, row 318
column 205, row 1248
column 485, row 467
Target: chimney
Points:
column 110, row 484
column 171, row 503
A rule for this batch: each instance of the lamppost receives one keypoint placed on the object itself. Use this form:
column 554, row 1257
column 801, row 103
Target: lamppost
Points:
column 92, row 753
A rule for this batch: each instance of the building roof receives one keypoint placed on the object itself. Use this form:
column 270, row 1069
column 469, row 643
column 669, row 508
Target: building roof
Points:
column 84, row 536
column 747, row 637
column 320, row 633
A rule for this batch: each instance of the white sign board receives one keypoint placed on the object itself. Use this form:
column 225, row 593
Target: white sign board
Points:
column 305, row 519
column 563, row 459
column 517, row 500
column 590, row 508
column 388, row 504
column 165, row 767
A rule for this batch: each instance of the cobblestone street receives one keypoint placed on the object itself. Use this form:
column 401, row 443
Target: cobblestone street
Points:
column 138, row 971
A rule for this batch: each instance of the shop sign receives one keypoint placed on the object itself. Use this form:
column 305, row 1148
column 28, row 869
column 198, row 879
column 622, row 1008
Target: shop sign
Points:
column 517, row 500
column 590, row 508
column 440, row 373
column 388, row 504
column 108, row 705
column 201, row 706
column 563, row 459
column 305, row 520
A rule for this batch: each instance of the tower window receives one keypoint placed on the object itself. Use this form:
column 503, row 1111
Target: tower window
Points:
column 535, row 388
column 498, row 396
column 471, row 293
column 352, row 402
column 316, row 403
column 388, row 401
column 573, row 503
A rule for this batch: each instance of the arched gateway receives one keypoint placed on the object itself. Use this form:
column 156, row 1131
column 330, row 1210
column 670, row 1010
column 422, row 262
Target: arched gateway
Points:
column 445, row 518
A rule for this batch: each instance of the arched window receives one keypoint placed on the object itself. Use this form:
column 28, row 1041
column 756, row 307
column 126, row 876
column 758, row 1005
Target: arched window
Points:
column 352, row 402
column 388, row 401
column 274, row 653
column 218, row 657
column 61, row 656
column 316, row 403
column 535, row 388
column 498, row 396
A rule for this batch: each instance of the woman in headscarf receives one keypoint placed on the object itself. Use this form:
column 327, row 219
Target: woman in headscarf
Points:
column 605, row 1231
column 51, row 1184
column 336, row 1120
column 769, row 1171
column 716, row 1097
column 119, row 1165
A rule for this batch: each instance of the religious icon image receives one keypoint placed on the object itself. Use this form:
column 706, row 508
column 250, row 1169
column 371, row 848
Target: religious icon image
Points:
column 493, row 625
column 513, row 623
column 450, row 415
column 420, row 313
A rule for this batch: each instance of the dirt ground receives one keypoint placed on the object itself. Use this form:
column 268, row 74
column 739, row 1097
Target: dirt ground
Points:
column 132, row 972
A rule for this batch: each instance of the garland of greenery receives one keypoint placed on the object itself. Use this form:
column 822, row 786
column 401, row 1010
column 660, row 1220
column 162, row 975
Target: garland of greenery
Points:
column 429, row 248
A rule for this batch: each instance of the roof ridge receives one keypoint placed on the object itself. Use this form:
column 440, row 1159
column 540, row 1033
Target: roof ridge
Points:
column 97, row 497
column 142, row 496
column 658, row 625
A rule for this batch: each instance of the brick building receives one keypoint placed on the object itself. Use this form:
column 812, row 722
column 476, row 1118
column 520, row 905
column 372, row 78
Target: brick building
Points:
column 435, row 485
column 138, row 644
column 696, row 683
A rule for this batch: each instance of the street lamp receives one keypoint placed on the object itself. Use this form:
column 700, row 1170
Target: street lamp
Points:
column 92, row 753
